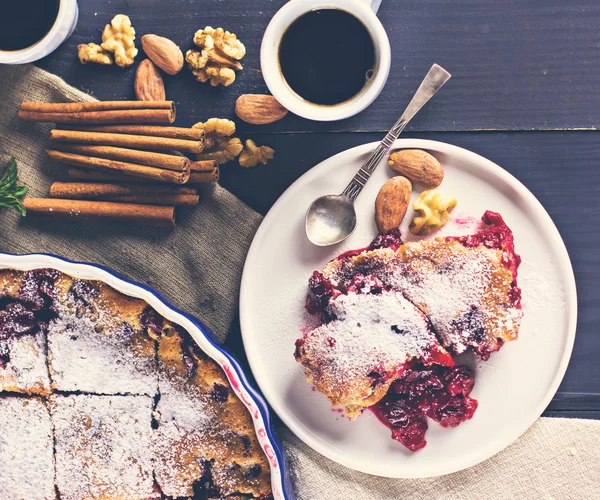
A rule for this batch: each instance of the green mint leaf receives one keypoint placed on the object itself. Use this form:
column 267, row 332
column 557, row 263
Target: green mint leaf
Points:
column 11, row 195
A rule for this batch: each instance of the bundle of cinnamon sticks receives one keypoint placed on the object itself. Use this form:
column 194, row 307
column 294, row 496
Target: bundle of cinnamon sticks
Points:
column 124, row 161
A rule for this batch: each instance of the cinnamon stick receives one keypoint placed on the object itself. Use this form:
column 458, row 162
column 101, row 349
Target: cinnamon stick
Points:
column 177, row 200
column 78, row 209
column 160, row 160
column 127, row 140
column 203, row 166
column 204, row 171
column 202, row 177
column 97, row 191
column 153, row 173
column 74, row 107
column 98, row 117
column 193, row 134
column 97, row 175
column 103, row 176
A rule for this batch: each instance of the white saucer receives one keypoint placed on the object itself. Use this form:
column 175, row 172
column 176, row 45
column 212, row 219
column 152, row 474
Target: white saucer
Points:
column 513, row 388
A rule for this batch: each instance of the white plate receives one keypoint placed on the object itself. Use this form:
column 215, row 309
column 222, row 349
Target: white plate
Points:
column 513, row 388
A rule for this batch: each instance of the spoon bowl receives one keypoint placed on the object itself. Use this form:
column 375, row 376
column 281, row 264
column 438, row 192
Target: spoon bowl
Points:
column 330, row 219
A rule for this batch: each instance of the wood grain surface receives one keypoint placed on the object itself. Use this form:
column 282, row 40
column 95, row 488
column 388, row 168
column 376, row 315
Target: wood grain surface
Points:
column 518, row 68
column 517, row 65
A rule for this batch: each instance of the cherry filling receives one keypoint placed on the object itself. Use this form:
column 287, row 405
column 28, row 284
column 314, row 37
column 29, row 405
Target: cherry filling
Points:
column 30, row 312
column 37, row 289
column 392, row 240
column 320, row 291
column 83, row 292
column 152, row 320
column 497, row 236
column 16, row 320
column 440, row 393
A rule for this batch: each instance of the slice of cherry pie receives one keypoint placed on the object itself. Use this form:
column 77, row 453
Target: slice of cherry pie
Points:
column 354, row 358
column 370, row 344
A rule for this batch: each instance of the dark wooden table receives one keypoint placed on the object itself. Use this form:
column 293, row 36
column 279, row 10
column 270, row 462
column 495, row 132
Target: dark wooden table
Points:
column 525, row 93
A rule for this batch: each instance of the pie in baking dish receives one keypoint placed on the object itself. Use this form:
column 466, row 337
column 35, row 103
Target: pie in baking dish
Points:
column 393, row 314
column 101, row 397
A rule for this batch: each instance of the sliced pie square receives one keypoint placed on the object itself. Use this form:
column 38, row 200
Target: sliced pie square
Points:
column 205, row 442
column 96, row 343
column 103, row 446
column 26, row 449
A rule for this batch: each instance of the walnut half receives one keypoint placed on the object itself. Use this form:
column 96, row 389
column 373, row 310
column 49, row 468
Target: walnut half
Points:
column 218, row 59
column 92, row 52
column 252, row 154
column 118, row 37
column 433, row 211
column 218, row 143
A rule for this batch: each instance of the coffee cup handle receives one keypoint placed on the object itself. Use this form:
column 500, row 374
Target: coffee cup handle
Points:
column 373, row 4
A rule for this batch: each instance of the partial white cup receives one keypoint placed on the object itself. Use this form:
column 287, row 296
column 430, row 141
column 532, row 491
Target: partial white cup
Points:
column 365, row 10
column 66, row 20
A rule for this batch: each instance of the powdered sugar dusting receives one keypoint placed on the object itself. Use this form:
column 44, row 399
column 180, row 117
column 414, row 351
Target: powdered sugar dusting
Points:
column 93, row 354
column 539, row 292
column 27, row 370
column 26, row 462
column 181, row 403
column 183, row 424
column 103, row 446
column 448, row 283
column 369, row 330
column 446, row 296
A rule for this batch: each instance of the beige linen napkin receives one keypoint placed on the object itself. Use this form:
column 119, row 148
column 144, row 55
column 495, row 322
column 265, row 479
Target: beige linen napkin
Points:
column 198, row 266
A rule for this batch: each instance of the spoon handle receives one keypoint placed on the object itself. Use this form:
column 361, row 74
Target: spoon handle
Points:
column 434, row 80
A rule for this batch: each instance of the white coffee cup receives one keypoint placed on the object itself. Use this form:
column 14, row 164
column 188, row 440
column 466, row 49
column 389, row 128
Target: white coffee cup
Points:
column 63, row 27
column 365, row 11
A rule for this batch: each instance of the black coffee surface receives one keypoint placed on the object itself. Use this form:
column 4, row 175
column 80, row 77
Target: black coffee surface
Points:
column 25, row 22
column 326, row 56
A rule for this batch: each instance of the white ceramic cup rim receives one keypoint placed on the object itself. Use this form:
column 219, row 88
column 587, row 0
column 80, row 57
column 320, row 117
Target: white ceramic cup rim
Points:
column 59, row 32
column 269, row 59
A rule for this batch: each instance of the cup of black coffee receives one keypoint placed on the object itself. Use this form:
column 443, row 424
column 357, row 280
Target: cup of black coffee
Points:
column 32, row 29
column 325, row 60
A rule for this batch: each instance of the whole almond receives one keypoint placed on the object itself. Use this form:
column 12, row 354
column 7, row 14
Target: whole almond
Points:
column 259, row 109
column 391, row 203
column 163, row 52
column 418, row 166
column 149, row 85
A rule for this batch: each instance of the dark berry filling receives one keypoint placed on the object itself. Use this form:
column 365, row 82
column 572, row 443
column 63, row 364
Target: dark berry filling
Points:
column 392, row 240
column 152, row 320
column 4, row 354
column 459, row 381
column 440, row 393
column 204, row 487
column 254, row 471
column 220, row 392
column 37, row 289
column 190, row 365
column 83, row 291
column 320, row 291
column 30, row 312
column 16, row 320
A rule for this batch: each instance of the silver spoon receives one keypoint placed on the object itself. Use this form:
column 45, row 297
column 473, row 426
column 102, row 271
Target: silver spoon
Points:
column 332, row 218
